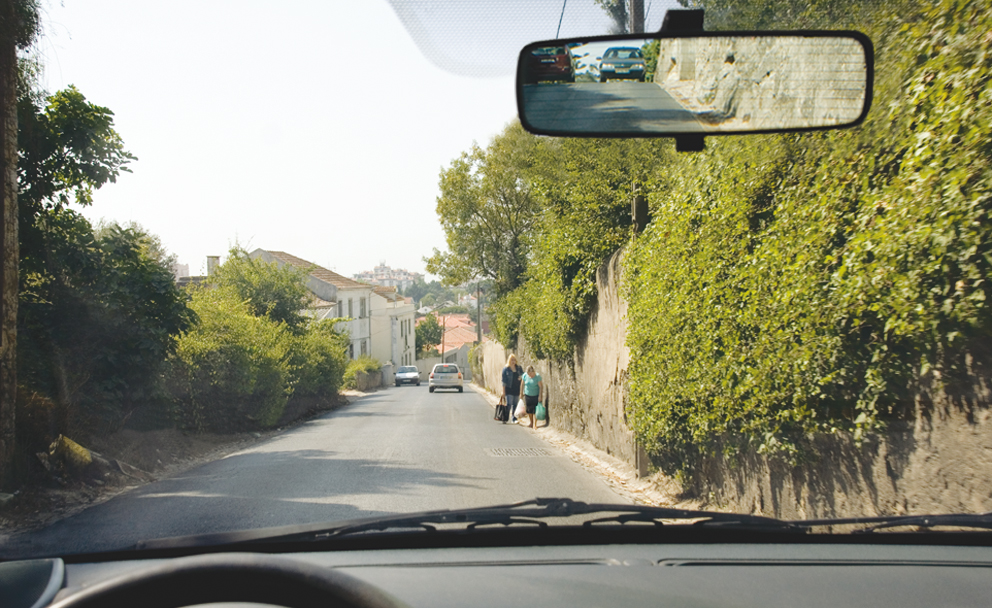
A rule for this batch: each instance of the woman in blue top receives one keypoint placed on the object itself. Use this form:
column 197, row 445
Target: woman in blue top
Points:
column 532, row 389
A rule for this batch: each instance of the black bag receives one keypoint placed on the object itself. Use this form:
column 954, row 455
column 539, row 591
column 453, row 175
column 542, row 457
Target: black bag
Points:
column 502, row 413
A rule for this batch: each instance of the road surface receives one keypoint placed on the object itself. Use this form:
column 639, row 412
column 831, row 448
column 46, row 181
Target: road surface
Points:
column 399, row 450
column 609, row 107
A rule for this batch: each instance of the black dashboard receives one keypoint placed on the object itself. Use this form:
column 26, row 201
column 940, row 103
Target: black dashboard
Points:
column 712, row 574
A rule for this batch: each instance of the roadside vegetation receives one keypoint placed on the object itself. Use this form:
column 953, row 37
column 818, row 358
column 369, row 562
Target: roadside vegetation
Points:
column 787, row 285
column 106, row 340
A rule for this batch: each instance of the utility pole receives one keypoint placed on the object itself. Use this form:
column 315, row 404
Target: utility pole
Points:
column 478, row 313
column 444, row 323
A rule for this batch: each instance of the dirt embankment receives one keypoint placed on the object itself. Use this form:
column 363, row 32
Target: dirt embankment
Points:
column 145, row 455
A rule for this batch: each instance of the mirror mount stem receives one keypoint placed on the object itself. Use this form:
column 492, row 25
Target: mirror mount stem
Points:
column 685, row 20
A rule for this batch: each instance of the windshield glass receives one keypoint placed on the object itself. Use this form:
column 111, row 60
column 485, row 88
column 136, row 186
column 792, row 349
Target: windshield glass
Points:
column 260, row 281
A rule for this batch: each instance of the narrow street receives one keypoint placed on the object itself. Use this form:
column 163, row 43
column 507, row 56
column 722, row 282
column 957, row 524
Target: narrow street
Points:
column 397, row 451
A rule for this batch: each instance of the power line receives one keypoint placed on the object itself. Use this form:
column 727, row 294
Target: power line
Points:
column 563, row 5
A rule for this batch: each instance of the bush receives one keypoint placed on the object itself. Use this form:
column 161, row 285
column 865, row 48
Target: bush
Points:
column 364, row 364
column 319, row 361
column 232, row 371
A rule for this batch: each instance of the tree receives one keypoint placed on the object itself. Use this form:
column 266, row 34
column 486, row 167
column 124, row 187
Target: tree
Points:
column 428, row 334
column 98, row 317
column 280, row 294
column 488, row 213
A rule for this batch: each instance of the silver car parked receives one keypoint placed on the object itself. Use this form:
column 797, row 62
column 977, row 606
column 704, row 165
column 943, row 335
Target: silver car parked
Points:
column 445, row 375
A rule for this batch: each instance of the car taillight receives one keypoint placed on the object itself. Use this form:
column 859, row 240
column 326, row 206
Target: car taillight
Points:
column 432, row 374
column 459, row 375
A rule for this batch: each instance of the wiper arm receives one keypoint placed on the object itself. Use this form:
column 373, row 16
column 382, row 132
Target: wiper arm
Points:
column 957, row 520
column 530, row 512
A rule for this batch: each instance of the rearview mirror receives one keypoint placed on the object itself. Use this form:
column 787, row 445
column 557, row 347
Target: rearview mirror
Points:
column 706, row 83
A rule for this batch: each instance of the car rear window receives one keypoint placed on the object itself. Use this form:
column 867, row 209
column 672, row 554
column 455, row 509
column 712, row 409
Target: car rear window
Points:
column 446, row 369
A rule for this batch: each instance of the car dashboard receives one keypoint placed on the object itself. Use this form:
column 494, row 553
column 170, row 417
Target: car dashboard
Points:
column 710, row 574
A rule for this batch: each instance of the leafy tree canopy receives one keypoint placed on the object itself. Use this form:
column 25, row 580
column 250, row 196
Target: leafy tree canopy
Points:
column 428, row 333
column 270, row 291
column 488, row 212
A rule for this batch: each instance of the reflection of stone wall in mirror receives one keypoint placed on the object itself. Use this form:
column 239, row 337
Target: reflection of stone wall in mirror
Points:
column 755, row 83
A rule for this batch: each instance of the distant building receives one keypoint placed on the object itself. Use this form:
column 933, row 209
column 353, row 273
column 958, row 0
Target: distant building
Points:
column 384, row 276
column 180, row 270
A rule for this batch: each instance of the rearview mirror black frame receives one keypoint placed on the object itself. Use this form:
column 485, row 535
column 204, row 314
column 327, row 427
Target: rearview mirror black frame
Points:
column 545, row 110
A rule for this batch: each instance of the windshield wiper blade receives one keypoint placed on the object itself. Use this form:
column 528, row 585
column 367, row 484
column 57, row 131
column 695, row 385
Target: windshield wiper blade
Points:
column 530, row 512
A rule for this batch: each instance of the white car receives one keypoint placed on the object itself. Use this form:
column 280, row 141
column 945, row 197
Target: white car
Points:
column 407, row 374
column 445, row 375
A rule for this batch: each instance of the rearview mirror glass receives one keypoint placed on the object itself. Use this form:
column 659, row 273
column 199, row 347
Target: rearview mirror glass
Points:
column 707, row 83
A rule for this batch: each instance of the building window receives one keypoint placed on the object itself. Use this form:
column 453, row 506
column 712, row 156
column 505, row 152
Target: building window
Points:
column 351, row 311
column 364, row 351
column 340, row 309
column 351, row 351
column 361, row 308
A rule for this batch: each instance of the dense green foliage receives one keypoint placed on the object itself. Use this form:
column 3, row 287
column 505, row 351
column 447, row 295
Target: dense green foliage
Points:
column 253, row 351
column 232, row 370
column 575, row 194
column 97, row 318
column 427, row 334
column 797, row 284
column 269, row 291
column 99, row 311
column 488, row 213
column 435, row 290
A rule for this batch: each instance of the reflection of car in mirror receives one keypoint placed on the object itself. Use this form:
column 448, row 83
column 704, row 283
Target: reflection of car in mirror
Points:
column 708, row 83
column 550, row 64
column 622, row 63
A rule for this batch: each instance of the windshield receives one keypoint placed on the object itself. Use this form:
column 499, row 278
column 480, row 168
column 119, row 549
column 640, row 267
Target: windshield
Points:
column 622, row 54
column 260, row 281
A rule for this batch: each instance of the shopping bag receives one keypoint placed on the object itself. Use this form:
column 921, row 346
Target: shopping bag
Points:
column 501, row 413
column 521, row 410
column 542, row 412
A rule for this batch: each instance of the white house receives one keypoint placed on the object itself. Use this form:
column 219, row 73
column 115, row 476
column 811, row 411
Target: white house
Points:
column 392, row 327
column 335, row 296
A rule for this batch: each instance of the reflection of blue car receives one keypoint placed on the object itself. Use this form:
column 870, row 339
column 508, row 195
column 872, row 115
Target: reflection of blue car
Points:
column 622, row 63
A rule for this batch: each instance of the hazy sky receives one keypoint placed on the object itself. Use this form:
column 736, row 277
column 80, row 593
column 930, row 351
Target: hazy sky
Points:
column 313, row 127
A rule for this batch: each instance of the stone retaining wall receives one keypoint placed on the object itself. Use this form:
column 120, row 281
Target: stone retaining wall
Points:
column 586, row 396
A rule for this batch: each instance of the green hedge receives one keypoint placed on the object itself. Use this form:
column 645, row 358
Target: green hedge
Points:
column 232, row 370
column 808, row 283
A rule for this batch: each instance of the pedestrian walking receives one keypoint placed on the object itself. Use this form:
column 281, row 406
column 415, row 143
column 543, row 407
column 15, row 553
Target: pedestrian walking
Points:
column 512, row 375
column 531, row 390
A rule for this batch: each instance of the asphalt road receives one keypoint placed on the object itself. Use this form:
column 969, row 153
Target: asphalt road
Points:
column 397, row 451
column 609, row 107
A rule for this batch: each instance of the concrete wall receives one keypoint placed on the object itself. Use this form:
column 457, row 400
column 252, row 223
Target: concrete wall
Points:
column 742, row 83
column 939, row 463
column 585, row 398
